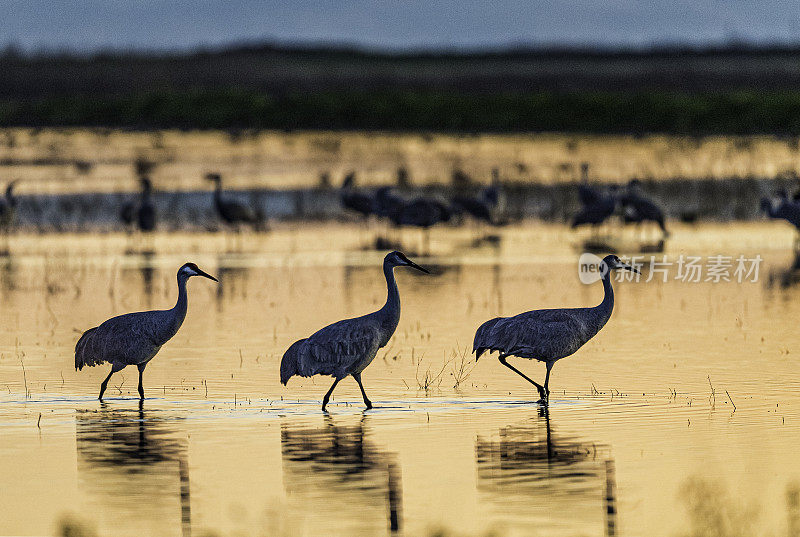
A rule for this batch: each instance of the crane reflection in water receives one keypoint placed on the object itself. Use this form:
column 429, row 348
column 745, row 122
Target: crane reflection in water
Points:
column 336, row 472
column 133, row 471
column 537, row 480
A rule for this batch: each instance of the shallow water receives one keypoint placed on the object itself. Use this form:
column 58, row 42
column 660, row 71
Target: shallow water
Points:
column 641, row 438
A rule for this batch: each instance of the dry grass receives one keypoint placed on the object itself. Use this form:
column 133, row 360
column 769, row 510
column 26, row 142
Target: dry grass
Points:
column 429, row 379
column 461, row 365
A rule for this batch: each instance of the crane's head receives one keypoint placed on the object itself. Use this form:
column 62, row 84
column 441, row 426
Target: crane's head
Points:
column 213, row 177
column 190, row 269
column 613, row 262
column 399, row 259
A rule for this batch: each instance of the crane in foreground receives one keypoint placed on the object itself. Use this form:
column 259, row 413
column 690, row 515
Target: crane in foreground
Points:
column 548, row 335
column 134, row 338
column 347, row 347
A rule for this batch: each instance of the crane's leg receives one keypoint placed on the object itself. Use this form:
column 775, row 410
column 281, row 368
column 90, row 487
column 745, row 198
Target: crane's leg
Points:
column 114, row 369
column 141, row 388
column 539, row 387
column 547, row 379
column 328, row 395
column 367, row 402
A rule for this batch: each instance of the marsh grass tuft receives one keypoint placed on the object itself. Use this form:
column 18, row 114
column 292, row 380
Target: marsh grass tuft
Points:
column 430, row 379
column 461, row 365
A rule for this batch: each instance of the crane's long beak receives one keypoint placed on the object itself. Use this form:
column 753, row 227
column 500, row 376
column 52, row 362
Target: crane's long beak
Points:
column 206, row 275
column 629, row 267
column 414, row 265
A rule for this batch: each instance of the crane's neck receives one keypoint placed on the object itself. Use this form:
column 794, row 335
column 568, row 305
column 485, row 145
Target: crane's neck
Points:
column 607, row 305
column 218, row 193
column 390, row 312
column 10, row 198
column 178, row 313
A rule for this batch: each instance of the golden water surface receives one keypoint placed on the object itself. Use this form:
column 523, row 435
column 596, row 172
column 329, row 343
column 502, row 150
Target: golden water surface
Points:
column 641, row 438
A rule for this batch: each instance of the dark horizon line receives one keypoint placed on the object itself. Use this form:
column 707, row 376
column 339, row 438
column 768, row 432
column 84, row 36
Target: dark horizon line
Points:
column 343, row 48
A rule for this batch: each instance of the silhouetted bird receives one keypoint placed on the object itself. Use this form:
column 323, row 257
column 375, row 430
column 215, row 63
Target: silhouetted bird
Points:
column 134, row 338
column 482, row 206
column 587, row 194
column 782, row 209
column 146, row 219
column 353, row 200
column 421, row 212
column 598, row 210
column 548, row 335
column 349, row 346
column 142, row 211
column 387, row 203
column 231, row 211
column 8, row 207
column 638, row 208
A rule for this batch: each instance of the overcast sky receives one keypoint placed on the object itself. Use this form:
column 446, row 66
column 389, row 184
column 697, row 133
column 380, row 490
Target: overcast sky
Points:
column 86, row 25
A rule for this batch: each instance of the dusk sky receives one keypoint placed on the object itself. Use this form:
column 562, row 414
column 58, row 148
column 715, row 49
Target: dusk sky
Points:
column 87, row 25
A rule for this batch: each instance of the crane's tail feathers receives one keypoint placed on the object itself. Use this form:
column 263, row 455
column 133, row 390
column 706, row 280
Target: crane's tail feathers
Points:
column 83, row 351
column 290, row 361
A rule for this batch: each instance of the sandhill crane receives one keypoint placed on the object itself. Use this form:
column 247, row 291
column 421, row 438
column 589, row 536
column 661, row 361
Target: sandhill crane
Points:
column 231, row 211
column 353, row 200
column 348, row 347
column 141, row 211
column 596, row 211
column 587, row 194
column 421, row 212
column 8, row 207
column 134, row 338
column 482, row 206
column 551, row 334
column 638, row 208
column 783, row 209
column 387, row 203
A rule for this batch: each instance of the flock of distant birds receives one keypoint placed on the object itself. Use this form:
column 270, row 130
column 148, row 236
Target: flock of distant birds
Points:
column 597, row 206
column 141, row 212
column 420, row 211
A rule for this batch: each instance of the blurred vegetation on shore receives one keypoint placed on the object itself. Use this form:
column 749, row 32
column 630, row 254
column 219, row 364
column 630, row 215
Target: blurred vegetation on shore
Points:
column 411, row 110
column 732, row 90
